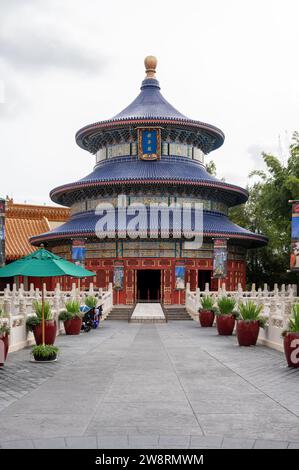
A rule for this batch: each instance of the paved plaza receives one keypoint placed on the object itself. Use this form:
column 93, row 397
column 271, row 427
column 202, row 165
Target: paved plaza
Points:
column 172, row 385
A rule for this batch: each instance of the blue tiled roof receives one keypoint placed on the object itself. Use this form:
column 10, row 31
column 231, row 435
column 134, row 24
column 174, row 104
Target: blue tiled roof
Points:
column 214, row 224
column 134, row 169
column 150, row 103
column 167, row 169
column 149, row 107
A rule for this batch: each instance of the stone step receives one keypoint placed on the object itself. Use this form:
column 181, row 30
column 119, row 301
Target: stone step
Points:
column 177, row 313
column 173, row 313
column 119, row 313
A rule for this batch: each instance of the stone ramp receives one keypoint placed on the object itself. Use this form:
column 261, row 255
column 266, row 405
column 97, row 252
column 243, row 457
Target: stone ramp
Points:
column 148, row 313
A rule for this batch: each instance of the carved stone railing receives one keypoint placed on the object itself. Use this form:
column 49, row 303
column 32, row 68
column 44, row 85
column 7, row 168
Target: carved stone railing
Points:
column 17, row 306
column 277, row 306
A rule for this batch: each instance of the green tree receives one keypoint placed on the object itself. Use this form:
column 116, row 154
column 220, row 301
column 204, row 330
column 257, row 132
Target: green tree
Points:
column 268, row 211
column 211, row 167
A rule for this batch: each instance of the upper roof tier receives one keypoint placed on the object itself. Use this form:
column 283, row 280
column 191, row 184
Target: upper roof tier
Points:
column 149, row 108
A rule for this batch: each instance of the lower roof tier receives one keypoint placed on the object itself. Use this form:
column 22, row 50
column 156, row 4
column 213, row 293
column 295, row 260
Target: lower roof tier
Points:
column 130, row 172
column 85, row 225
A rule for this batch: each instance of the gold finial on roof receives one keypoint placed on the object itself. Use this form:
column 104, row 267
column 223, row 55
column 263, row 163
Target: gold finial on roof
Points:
column 150, row 63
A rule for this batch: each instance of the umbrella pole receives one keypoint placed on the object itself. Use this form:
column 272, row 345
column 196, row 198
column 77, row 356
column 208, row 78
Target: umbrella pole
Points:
column 43, row 313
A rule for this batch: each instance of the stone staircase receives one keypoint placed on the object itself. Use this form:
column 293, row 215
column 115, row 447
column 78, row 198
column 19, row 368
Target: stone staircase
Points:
column 120, row 312
column 176, row 312
column 173, row 312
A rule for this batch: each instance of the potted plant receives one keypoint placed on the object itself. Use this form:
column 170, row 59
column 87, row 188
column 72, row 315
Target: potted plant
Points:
column 226, row 316
column 206, row 311
column 91, row 301
column 291, row 338
column 4, row 334
column 249, row 323
column 34, row 323
column 44, row 352
column 71, row 317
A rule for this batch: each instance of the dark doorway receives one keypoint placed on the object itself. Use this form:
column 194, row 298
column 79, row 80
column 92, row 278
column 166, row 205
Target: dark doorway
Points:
column 148, row 284
column 203, row 278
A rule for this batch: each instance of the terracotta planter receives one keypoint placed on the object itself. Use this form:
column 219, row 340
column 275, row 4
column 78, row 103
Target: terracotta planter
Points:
column 291, row 349
column 225, row 324
column 206, row 318
column 73, row 326
column 50, row 332
column 4, row 339
column 247, row 332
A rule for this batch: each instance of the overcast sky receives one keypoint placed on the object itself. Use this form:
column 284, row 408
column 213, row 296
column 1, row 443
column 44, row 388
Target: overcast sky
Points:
column 68, row 63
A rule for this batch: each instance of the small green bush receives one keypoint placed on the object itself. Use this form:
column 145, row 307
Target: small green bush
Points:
column 72, row 309
column 4, row 330
column 91, row 301
column 45, row 351
column 32, row 321
column 65, row 315
column 293, row 326
column 250, row 311
column 207, row 303
column 226, row 306
column 37, row 307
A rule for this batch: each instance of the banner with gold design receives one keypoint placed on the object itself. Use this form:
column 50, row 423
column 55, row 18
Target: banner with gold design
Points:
column 294, row 262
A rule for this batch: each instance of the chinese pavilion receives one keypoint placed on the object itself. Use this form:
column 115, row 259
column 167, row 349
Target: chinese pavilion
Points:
column 151, row 153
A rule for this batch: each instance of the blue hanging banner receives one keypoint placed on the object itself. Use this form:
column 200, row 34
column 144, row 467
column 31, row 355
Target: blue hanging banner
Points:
column 118, row 277
column 2, row 232
column 180, row 277
column 294, row 262
column 220, row 258
column 79, row 252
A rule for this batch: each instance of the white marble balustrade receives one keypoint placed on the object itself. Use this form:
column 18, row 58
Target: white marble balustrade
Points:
column 17, row 306
column 277, row 306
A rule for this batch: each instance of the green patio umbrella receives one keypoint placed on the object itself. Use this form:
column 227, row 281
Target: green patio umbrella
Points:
column 43, row 263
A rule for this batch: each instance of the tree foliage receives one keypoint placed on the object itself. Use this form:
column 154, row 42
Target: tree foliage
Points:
column 268, row 211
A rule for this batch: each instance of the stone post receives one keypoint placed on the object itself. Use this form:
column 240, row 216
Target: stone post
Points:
column 31, row 290
column 91, row 289
column 197, row 300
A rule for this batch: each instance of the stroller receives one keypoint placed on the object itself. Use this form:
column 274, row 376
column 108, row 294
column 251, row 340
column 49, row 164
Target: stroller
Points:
column 90, row 318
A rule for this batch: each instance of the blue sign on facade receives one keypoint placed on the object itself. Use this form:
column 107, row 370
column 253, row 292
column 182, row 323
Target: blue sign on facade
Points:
column 149, row 142
column 78, row 253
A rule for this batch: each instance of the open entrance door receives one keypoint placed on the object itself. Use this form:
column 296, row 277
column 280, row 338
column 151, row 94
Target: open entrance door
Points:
column 148, row 284
column 203, row 278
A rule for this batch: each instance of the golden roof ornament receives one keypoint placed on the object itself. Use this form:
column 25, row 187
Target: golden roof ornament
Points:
column 150, row 63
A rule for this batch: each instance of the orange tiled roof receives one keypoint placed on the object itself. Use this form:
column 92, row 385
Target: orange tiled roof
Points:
column 17, row 234
column 30, row 211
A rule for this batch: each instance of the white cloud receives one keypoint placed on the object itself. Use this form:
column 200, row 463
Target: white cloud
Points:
column 66, row 64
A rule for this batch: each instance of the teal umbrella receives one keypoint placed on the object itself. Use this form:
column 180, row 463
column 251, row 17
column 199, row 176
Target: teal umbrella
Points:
column 43, row 263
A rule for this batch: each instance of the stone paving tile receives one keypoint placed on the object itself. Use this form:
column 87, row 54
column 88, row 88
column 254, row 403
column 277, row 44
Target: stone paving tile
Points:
column 82, row 442
column 21, row 444
column 263, row 444
column 175, row 380
column 293, row 445
column 138, row 441
column 54, row 443
column 176, row 441
column 206, row 441
column 231, row 443
column 113, row 442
